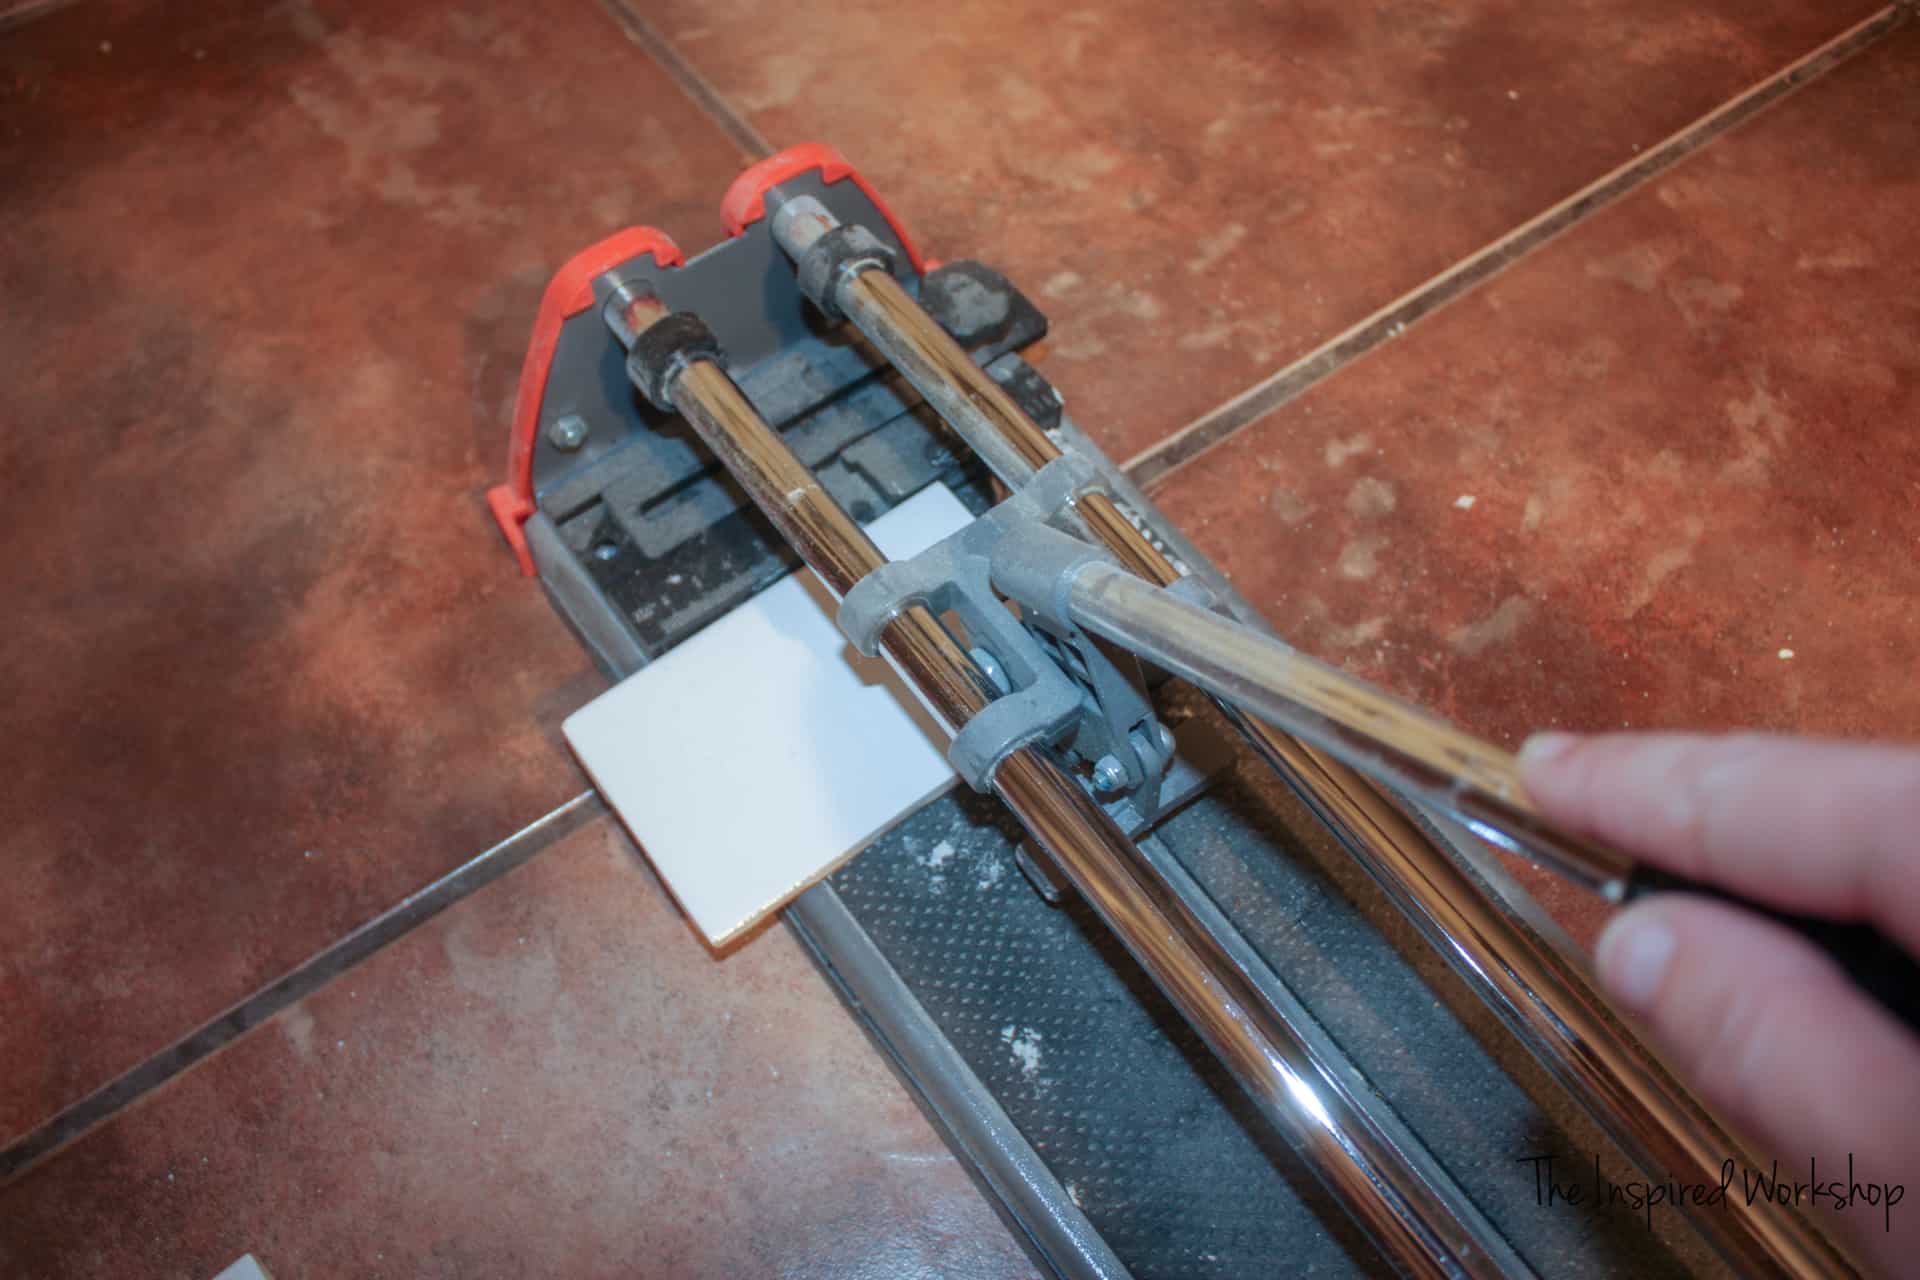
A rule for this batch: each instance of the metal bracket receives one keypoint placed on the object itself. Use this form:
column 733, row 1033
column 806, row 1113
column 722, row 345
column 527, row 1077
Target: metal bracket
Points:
column 1060, row 686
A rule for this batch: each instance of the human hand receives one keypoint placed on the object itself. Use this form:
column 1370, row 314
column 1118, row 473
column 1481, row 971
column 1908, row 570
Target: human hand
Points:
column 1766, row 1028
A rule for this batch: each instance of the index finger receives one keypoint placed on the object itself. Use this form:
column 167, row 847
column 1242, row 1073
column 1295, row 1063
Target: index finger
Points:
column 1824, row 827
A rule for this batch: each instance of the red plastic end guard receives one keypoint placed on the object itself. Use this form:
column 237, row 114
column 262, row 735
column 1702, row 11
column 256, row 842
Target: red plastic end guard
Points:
column 745, row 201
column 571, row 292
column 568, row 294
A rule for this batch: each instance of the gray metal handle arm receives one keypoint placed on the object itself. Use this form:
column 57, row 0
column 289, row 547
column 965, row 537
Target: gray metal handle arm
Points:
column 1372, row 731
column 1423, row 756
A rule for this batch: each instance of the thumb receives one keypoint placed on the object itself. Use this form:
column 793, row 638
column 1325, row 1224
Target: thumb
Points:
column 1771, row 1032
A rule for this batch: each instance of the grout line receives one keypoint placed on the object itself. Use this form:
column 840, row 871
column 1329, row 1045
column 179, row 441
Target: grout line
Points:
column 1157, row 462
column 696, row 86
column 303, row 980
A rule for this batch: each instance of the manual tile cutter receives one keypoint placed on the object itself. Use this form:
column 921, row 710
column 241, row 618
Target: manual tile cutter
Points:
column 1049, row 708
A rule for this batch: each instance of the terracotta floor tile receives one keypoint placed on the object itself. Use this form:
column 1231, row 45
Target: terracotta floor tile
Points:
column 555, row 1078
column 1659, row 474
column 1198, row 194
column 270, row 272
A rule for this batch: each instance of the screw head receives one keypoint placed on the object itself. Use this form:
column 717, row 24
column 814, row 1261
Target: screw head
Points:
column 567, row 432
column 1109, row 774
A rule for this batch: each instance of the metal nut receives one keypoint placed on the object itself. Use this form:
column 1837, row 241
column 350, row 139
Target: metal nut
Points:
column 1109, row 774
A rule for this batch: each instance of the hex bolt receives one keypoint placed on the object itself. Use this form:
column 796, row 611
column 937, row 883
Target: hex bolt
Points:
column 1109, row 774
column 568, row 432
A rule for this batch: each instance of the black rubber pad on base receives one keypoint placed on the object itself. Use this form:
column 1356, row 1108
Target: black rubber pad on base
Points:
column 1149, row 1134
column 1138, row 1121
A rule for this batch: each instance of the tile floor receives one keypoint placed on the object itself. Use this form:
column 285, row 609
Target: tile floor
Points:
column 1199, row 193
column 267, row 672
column 269, row 669
column 1662, row 473
column 547, row 1080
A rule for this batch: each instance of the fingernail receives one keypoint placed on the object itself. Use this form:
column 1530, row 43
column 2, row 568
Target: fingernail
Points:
column 1542, row 748
column 1632, row 957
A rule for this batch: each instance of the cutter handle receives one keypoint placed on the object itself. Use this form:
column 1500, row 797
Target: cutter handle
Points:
column 1877, row 964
